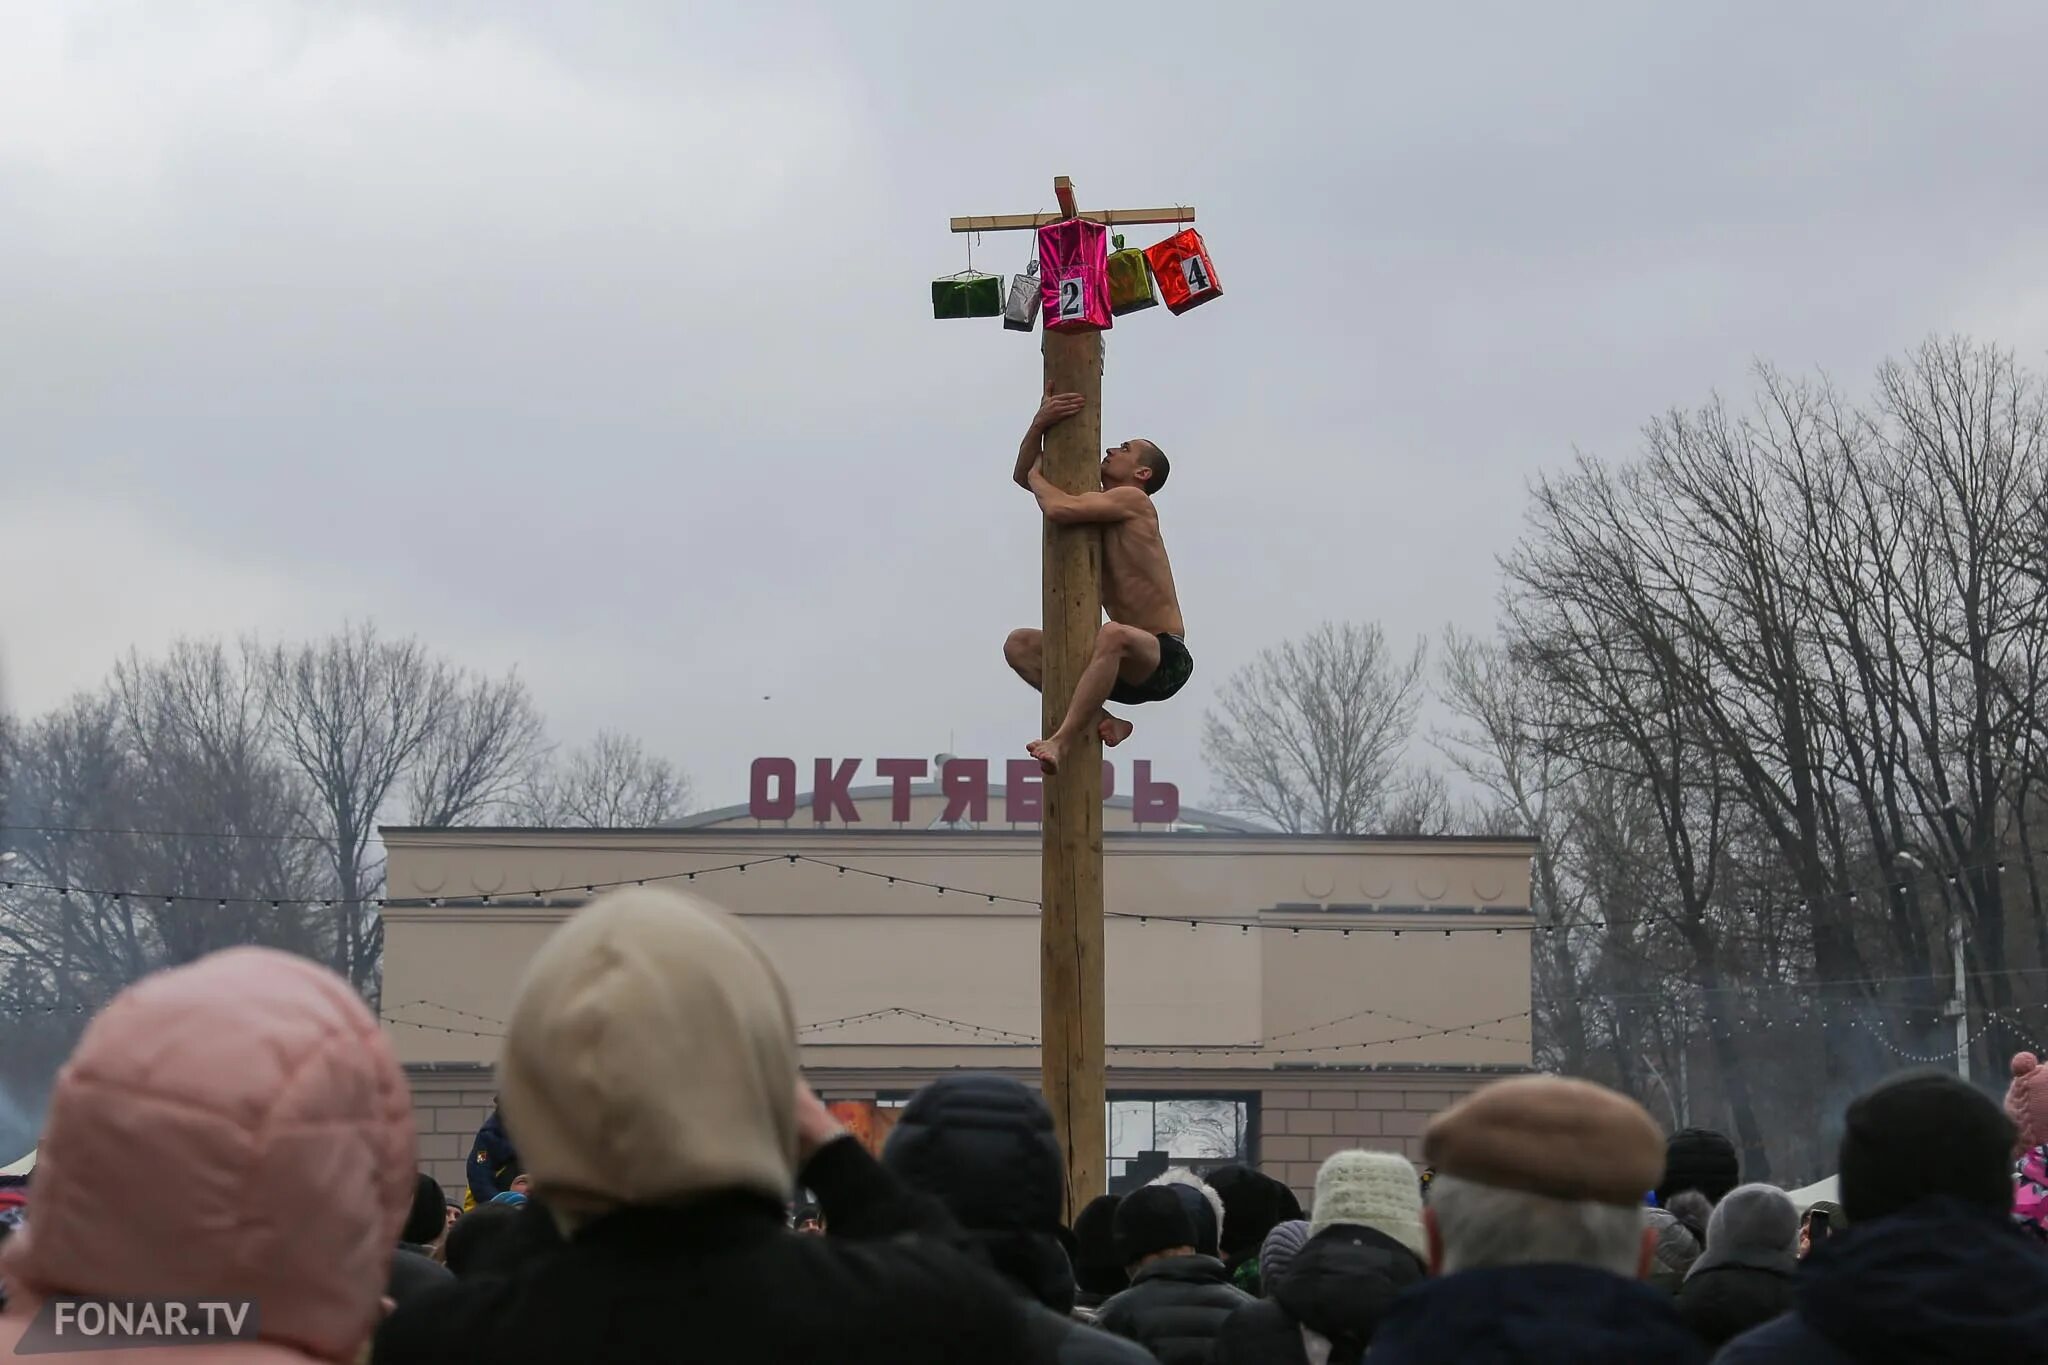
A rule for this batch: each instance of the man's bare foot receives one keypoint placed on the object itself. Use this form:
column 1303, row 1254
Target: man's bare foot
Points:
column 1114, row 731
column 1049, row 753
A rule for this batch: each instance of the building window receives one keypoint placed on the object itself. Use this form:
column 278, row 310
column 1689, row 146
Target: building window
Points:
column 1150, row 1132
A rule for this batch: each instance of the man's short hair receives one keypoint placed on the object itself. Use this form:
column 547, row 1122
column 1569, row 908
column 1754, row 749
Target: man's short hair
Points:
column 1155, row 460
column 1485, row 1226
column 1924, row 1135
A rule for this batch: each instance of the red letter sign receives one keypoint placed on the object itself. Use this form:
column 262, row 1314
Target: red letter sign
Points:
column 829, row 794
column 1023, row 792
column 966, row 785
column 780, row 806
column 1152, row 803
column 900, row 771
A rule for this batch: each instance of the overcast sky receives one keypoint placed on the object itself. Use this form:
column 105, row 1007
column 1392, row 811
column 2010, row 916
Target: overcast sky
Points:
column 595, row 340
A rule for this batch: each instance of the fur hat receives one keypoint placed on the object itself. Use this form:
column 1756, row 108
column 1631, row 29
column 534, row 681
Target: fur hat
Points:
column 2026, row 1100
column 1149, row 1221
column 1204, row 1206
column 1377, row 1190
column 1698, row 1159
column 1253, row 1205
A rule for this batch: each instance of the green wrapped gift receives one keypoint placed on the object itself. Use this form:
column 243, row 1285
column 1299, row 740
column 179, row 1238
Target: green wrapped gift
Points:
column 1130, row 281
column 969, row 294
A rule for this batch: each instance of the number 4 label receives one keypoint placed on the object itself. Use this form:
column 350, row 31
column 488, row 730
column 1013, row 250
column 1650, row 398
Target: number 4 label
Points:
column 1197, row 276
column 1072, row 305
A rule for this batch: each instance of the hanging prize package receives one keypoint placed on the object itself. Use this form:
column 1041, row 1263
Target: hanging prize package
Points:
column 1073, row 265
column 969, row 294
column 1020, row 314
column 1130, row 280
column 1186, row 274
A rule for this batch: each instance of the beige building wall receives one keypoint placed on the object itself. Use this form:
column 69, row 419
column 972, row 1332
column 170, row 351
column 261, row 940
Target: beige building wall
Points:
column 1318, row 1028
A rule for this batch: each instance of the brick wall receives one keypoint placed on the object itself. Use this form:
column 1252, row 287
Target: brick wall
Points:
column 1300, row 1127
column 449, row 1103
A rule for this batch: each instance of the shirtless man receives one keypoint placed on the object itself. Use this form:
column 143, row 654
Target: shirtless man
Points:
column 1140, row 654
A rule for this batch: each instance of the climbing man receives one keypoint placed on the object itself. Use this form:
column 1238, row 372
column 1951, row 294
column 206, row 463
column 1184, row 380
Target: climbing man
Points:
column 1140, row 654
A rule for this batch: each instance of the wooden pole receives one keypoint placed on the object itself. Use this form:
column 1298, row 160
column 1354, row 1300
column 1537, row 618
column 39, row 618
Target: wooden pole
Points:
column 1070, row 969
column 1070, row 929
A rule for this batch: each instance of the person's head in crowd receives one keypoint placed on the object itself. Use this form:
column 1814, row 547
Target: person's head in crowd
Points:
column 1376, row 1190
column 481, row 1241
column 1252, row 1207
column 985, row 1147
column 1277, row 1252
column 650, row 1058
column 809, row 1219
column 514, row 1198
column 1923, row 1136
column 1204, row 1206
column 236, row 1128
column 1097, row 1268
column 1698, row 1159
column 2026, row 1102
column 1753, row 1225
column 1152, row 1224
column 428, row 1218
column 1541, row 1169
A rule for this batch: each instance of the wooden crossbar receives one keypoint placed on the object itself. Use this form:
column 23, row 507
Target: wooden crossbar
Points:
column 1017, row 222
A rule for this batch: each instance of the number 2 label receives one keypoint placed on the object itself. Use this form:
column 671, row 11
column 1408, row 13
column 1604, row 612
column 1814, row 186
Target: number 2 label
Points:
column 1197, row 278
column 1071, row 304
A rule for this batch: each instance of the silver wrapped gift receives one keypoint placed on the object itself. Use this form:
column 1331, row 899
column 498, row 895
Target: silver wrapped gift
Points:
column 1020, row 314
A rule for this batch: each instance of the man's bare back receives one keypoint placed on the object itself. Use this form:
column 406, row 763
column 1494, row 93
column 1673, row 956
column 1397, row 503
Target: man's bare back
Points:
column 1140, row 655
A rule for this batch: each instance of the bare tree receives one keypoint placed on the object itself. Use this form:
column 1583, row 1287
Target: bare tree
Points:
column 472, row 763
column 1309, row 735
column 353, row 713
column 611, row 783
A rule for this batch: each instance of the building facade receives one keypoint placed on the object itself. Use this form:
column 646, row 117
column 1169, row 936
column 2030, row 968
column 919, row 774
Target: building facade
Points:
column 1270, row 997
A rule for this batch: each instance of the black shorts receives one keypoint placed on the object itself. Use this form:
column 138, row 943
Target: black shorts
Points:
column 1175, row 666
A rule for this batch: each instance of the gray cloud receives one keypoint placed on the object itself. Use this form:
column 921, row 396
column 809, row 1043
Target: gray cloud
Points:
column 596, row 343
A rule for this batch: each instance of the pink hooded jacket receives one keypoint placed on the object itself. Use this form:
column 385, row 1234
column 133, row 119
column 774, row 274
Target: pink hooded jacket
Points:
column 236, row 1128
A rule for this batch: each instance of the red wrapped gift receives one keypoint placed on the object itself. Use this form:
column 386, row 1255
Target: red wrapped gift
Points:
column 1186, row 275
column 1073, row 263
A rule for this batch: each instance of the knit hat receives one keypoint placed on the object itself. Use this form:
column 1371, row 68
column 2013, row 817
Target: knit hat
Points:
column 651, row 1056
column 1549, row 1135
column 512, row 1197
column 1923, row 1135
column 1376, row 1190
column 1097, row 1268
column 1282, row 1245
column 1151, row 1220
column 1698, row 1159
column 984, row 1146
column 2026, row 1101
column 429, row 1216
column 1753, row 1225
column 1204, row 1206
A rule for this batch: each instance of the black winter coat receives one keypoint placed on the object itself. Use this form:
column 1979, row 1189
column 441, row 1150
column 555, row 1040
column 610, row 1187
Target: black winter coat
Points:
column 1534, row 1315
column 1340, row 1286
column 723, row 1279
column 1937, row 1282
column 1724, row 1301
column 1174, row 1308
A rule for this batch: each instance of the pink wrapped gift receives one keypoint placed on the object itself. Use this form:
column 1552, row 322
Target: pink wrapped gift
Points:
column 1073, row 264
